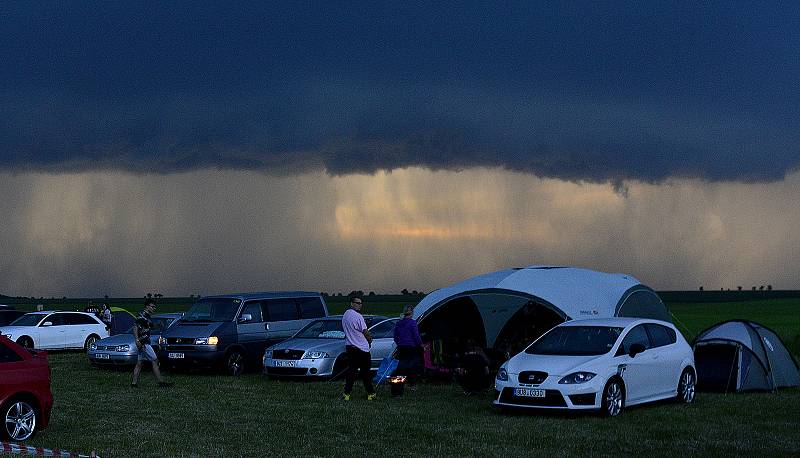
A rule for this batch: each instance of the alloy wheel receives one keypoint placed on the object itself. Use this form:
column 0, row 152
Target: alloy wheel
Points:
column 613, row 399
column 686, row 387
column 20, row 421
column 89, row 341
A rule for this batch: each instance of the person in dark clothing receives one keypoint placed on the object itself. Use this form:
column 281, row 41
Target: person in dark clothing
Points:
column 141, row 334
column 409, row 346
column 473, row 371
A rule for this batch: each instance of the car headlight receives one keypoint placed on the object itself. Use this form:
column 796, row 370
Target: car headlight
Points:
column 123, row 348
column 268, row 353
column 213, row 340
column 162, row 340
column 315, row 355
column 502, row 374
column 93, row 347
column 577, row 377
column 7, row 336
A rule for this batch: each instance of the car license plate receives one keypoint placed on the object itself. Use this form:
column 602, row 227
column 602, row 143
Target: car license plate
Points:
column 528, row 393
column 102, row 356
column 175, row 355
column 279, row 363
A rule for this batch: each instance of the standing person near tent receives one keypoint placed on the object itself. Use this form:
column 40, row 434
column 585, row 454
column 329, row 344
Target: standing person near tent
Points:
column 409, row 346
column 141, row 334
column 358, row 341
column 105, row 316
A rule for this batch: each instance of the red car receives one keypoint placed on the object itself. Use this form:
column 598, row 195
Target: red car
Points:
column 25, row 397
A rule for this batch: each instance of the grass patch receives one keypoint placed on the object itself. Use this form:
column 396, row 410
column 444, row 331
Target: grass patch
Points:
column 214, row 415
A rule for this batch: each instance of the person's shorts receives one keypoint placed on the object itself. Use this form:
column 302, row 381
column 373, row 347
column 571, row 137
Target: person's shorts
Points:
column 147, row 354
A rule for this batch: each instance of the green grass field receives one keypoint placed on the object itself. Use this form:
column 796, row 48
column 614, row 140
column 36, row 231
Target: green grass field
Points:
column 214, row 415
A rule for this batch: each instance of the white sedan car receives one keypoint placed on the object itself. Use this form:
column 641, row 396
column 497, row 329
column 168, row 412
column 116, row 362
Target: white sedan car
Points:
column 55, row 330
column 600, row 364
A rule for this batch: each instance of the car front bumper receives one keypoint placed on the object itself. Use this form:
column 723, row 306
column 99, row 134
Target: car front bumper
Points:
column 320, row 367
column 579, row 396
column 110, row 358
column 200, row 356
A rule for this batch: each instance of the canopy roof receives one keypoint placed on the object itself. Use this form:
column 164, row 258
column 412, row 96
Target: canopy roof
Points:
column 569, row 292
column 575, row 292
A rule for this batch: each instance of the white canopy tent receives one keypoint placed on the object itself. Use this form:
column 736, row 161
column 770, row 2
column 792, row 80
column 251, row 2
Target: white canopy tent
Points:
column 531, row 297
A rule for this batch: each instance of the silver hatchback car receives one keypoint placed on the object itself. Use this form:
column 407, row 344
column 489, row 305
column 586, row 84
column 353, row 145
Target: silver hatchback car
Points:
column 318, row 350
column 120, row 349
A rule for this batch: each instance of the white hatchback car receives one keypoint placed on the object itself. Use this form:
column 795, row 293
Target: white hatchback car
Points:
column 56, row 330
column 600, row 364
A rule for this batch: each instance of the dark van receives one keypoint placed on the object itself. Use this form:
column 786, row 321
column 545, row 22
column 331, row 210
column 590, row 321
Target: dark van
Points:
column 232, row 331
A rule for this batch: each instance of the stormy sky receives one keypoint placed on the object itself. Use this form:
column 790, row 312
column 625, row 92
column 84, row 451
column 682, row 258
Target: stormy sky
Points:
column 202, row 147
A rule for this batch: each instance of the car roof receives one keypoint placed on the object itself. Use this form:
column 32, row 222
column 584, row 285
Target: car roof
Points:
column 167, row 315
column 339, row 317
column 616, row 322
column 265, row 295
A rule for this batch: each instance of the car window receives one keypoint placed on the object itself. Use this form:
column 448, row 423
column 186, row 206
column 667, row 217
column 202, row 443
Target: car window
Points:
column 576, row 341
column 159, row 324
column 8, row 355
column 57, row 319
column 77, row 319
column 636, row 335
column 660, row 335
column 212, row 309
column 281, row 309
column 383, row 330
column 310, row 307
column 254, row 309
column 322, row 329
column 30, row 319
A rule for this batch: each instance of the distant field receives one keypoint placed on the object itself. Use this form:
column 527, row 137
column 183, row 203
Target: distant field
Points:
column 214, row 415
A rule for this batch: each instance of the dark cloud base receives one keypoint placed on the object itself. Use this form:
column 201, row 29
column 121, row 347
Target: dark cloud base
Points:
column 571, row 90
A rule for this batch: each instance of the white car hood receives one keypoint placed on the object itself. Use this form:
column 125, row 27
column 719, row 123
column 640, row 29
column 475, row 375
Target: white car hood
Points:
column 17, row 331
column 553, row 365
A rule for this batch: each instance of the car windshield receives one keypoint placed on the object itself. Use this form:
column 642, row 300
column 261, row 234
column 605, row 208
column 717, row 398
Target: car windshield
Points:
column 30, row 319
column 213, row 309
column 159, row 324
column 322, row 329
column 576, row 341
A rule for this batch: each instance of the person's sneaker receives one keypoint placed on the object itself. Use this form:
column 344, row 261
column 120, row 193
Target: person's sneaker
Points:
column 164, row 384
column 372, row 397
column 345, row 397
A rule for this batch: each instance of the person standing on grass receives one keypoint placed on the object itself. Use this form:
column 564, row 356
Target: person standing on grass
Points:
column 409, row 346
column 141, row 334
column 358, row 341
column 105, row 316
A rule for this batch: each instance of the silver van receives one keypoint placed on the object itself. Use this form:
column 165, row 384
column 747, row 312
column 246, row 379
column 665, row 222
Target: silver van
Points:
column 232, row 331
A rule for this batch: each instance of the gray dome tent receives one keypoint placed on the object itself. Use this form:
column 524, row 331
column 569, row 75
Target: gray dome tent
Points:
column 508, row 309
column 741, row 355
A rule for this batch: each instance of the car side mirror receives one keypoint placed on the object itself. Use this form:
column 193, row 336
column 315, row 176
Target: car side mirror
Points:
column 47, row 323
column 245, row 318
column 635, row 349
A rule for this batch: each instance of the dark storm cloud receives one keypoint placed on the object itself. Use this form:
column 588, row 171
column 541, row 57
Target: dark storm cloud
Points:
column 574, row 90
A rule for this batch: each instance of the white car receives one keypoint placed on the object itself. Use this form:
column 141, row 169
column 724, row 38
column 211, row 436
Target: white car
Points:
column 55, row 330
column 600, row 364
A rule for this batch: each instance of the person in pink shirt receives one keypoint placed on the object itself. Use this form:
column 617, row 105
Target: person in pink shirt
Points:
column 358, row 341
